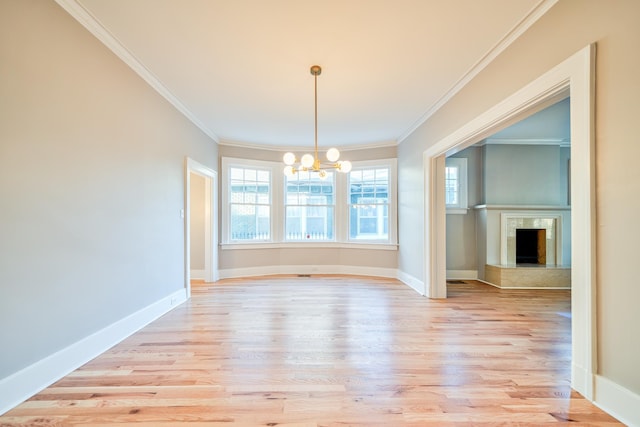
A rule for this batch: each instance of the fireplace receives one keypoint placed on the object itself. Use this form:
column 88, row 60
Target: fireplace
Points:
column 525, row 246
column 530, row 238
column 531, row 246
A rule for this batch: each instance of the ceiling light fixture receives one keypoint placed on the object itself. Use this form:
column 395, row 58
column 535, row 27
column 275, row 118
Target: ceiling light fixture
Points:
column 311, row 162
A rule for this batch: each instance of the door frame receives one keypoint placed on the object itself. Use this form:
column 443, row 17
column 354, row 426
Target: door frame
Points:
column 211, row 221
column 574, row 77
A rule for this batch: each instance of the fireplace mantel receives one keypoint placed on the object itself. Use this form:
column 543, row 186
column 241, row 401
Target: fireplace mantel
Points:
column 524, row 207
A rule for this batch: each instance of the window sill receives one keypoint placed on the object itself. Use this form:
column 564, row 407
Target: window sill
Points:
column 310, row 245
column 457, row 211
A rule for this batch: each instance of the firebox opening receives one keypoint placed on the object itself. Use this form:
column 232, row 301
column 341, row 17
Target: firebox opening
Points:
column 531, row 246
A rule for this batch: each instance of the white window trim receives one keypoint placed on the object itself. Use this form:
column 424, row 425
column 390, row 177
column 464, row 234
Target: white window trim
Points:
column 462, row 206
column 341, row 220
column 276, row 199
column 392, row 164
column 334, row 205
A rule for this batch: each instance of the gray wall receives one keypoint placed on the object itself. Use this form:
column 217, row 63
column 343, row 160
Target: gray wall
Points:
column 503, row 174
column 569, row 26
column 525, row 175
column 461, row 228
column 91, row 185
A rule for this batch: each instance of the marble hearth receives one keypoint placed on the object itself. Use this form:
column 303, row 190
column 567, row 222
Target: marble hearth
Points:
column 528, row 276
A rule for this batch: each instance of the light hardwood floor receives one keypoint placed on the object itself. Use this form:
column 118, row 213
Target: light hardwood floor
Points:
column 331, row 351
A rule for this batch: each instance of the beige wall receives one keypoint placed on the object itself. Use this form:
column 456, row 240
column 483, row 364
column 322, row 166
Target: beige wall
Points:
column 91, row 185
column 197, row 218
column 261, row 259
column 568, row 27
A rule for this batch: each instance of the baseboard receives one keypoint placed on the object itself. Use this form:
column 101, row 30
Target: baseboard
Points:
column 307, row 269
column 415, row 284
column 523, row 287
column 20, row 386
column 407, row 279
column 617, row 401
column 462, row 274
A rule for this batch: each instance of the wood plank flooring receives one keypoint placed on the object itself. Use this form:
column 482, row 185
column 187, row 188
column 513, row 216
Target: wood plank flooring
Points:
column 331, row 351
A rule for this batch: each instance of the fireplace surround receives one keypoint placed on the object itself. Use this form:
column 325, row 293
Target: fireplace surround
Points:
column 497, row 227
column 511, row 222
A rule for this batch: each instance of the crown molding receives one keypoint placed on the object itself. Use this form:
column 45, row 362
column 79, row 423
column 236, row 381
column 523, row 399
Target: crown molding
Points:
column 526, row 141
column 281, row 148
column 87, row 20
column 534, row 14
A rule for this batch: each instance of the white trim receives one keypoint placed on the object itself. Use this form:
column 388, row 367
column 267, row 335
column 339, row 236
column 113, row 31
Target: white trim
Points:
column 576, row 75
column 524, row 207
column 278, row 217
column 536, row 12
column 452, row 211
column 23, row 384
column 462, row 274
column 392, row 204
column 276, row 188
column 435, row 248
column 526, row 141
column 211, row 225
column 618, row 401
column 86, row 19
column 233, row 273
column 524, row 287
column 310, row 245
column 414, row 283
column 304, row 148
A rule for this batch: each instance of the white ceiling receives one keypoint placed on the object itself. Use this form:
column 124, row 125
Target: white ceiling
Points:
column 240, row 68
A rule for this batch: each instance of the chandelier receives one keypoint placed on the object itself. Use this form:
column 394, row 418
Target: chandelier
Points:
column 311, row 162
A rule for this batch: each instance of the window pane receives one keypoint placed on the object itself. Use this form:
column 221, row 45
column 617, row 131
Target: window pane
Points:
column 250, row 199
column 309, row 207
column 237, row 174
column 309, row 223
column 368, row 200
column 250, row 175
column 451, row 185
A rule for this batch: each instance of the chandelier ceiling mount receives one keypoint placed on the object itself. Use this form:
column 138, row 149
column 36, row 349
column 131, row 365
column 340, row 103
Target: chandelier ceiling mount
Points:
column 311, row 162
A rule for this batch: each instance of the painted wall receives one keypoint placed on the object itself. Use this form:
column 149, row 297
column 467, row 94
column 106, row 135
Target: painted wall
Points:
column 197, row 230
column 234, row 262
column 461, row 228
column 505, row 174
column 91, row 185
column 524, row 175
column 568, row 27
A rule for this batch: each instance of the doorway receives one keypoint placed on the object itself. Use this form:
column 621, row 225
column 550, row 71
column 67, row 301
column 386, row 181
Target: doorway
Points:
column 574, row 77
column 201, row 237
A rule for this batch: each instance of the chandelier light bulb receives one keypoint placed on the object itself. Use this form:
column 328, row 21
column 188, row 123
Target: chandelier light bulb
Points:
column 333, row 154
column 289, row 158
column 307, row 161
column 289, row 171
column 345, row 166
